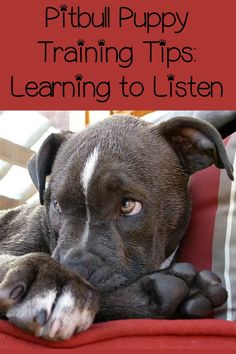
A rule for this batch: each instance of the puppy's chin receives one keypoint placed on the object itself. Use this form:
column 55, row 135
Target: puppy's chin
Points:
column 115, row 281
column 103, row 279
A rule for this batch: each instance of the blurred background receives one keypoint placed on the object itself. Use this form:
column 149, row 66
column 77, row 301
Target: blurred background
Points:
column 21, row 135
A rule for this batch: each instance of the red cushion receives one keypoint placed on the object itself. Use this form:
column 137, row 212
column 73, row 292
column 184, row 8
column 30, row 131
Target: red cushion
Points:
column 138, row 334
column 196, row 247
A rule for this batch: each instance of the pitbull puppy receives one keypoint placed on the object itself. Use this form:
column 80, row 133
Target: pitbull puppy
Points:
column 111, row 217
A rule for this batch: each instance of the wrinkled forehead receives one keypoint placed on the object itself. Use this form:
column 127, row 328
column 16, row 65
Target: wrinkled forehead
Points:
column 108, row 148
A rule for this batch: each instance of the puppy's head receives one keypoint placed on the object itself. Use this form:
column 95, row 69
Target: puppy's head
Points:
column 117, row 201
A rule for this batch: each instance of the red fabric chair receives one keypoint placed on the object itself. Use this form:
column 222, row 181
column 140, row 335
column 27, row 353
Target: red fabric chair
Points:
column 133, row 334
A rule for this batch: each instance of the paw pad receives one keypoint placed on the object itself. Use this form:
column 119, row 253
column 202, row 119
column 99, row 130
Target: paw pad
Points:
column 185, row 271
column 162, row 42
column 79, row 77
column 101, row 42
column 80, row 42
column 171, row 77
column 63, row 7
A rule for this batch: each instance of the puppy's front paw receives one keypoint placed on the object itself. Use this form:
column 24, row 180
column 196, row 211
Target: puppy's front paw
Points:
column 206, row 291
column 42, row 297
column 165, row 293
column 181, row 291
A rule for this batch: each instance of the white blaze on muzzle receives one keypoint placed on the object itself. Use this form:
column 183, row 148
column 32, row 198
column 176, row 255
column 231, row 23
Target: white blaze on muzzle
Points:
column 86, row 177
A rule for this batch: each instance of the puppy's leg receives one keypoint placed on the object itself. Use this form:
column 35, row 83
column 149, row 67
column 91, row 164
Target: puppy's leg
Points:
column 44, row 298
column 179, row 292
column 37, row 293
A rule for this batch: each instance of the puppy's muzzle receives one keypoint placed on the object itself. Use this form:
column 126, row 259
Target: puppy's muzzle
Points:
column 95, row 269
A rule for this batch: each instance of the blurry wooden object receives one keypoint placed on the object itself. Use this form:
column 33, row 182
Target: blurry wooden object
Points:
column 14, row 154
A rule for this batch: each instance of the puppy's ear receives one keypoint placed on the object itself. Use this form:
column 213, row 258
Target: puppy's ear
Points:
column 197, row 144
column 40, row 164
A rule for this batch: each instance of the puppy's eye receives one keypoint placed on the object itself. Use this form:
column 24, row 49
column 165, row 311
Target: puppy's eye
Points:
column 130, row 207
column 56, row 206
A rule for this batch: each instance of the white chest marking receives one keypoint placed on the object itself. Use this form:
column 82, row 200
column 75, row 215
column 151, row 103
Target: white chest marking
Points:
column 86, row 177
column 167, row 262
